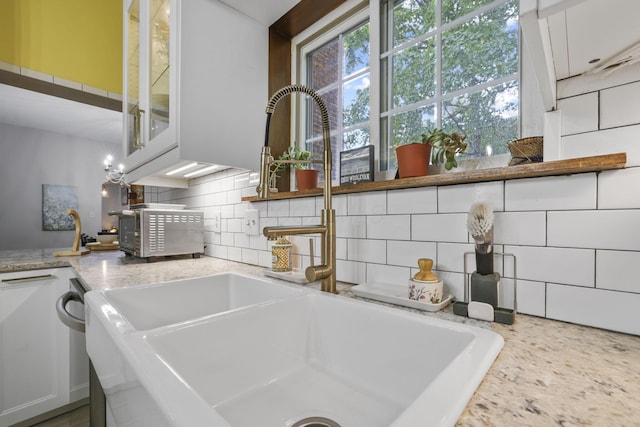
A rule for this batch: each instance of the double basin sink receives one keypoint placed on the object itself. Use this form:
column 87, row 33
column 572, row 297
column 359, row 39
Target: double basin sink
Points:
column 237, row 350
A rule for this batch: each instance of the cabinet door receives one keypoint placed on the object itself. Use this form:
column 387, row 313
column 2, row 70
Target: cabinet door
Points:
column 149, row 37
column 34, row 345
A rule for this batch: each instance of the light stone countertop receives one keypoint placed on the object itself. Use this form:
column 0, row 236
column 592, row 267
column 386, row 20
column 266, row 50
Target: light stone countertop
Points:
column 548, row 373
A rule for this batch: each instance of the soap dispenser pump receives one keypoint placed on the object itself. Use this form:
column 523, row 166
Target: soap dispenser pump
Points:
column 425, row 286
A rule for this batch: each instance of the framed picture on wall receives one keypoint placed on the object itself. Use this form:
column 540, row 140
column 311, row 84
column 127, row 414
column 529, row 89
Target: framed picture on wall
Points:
column 356, row 165
column 124, row 196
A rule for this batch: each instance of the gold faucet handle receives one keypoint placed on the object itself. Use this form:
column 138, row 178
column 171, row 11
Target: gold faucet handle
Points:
column 317, row 272
column 311, row 252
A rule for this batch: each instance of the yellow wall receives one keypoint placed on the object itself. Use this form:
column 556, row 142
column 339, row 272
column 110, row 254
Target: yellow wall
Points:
column 77, row 40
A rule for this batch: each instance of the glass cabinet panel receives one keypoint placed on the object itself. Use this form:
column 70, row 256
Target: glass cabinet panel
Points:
column 159, row 67
column 134, row 141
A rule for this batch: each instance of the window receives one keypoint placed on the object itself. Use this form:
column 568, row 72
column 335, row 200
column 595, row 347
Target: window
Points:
column 451, row 64
column 338, row 71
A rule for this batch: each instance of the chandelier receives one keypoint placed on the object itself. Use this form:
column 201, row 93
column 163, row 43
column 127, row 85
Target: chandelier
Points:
column 113, row 175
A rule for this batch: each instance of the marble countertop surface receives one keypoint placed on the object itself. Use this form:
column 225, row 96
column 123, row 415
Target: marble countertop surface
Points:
column 548, row 373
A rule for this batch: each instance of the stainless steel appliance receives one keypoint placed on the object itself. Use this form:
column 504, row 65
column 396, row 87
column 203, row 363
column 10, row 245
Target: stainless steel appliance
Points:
column 74, row 319
column 151, row 230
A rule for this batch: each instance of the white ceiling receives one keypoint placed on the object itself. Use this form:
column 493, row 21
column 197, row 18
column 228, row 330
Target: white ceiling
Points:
column 266, row 12
column 21, row 107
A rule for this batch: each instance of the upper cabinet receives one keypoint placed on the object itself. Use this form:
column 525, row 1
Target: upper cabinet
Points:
column 567, row 38
column 195, row 89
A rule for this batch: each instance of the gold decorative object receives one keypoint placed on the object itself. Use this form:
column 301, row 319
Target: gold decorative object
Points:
column 281, row 255
column 75, row 249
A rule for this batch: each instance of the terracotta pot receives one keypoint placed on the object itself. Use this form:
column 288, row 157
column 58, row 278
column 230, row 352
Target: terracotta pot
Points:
column 307, row 179
column 413, row 159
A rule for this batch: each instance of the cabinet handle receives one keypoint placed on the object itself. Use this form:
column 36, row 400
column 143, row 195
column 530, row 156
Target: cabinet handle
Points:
column 26, row 279
column 67, row 318
column 137, row 129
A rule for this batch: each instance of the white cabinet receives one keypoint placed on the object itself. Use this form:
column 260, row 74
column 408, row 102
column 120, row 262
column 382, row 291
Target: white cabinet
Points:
column 568, row 38
column 36, row 350
column 195, row 88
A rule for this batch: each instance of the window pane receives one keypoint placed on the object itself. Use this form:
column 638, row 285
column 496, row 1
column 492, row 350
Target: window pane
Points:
column 324, row 65
column 355, row 138
column 480, row 50
column 355, row 99
column 454, row 9
column 356, row 50
column 412, row 18
column 409, row 126
column 314, row 121
column 488, row 117
column 414, row 73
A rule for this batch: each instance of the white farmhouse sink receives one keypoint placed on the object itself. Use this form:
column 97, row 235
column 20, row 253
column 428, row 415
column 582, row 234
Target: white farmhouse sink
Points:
column 287, row 359
column 152, row 306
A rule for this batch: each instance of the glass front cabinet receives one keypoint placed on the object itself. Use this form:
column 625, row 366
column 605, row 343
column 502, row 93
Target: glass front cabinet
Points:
column 148, row 84
column 194, row 86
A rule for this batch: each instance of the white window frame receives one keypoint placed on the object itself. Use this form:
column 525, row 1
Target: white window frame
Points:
column 348, row 15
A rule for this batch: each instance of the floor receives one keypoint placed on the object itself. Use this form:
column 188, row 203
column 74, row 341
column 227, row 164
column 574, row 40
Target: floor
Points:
column 76, row 418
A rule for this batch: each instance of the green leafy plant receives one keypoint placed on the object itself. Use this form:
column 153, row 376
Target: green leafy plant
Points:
column 295, row 153
column 445, row 146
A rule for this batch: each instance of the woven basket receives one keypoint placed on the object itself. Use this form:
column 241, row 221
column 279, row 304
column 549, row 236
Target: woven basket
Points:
column 525, row 150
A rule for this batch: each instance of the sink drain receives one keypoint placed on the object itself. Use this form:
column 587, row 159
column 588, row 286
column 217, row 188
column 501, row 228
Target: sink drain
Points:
column 316, row 422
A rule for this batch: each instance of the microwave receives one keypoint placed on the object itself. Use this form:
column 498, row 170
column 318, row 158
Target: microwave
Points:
column 148, row 230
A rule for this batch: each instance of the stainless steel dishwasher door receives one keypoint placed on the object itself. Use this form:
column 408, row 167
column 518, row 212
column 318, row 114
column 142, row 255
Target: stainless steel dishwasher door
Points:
column 70, row 308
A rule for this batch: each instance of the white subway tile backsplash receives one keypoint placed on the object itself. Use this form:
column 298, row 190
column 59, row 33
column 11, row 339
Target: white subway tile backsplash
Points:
column 459, row 198
column 234, row 225
column 250, row 256
column 379, row 273
column 374, row 203
column 396, row 227
column 264, row 259
column 293, row 220
column 241, row 240
column 551, row 193
column 453, row 283
column 407, row 253
column 620, row 106
column 531, row 297
column 440, row 228
column 302, row 207
column 451, row 257
column 226, row 239
column 258, row 242
column 615, row 140
column 366, row 250
column 278, row 208
column 615, row 191
column 351, row 272
column 557, row 265
column 412, row 200
column 579, row 113
column 351, row 226
column 520, row 228
column 617, row 271
column 613, row 310
column 607, row 229
column 219, row 252
column 234, row 254
column 338, row 203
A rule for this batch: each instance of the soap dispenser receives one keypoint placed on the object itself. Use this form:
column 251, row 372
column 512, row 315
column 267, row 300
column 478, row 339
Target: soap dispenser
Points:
column 425, row 286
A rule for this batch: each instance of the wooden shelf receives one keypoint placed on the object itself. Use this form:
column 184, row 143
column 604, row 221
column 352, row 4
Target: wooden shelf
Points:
column 532, row 170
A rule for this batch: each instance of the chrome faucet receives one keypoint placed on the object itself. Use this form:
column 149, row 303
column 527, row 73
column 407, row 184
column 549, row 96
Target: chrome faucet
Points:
column 326, row 271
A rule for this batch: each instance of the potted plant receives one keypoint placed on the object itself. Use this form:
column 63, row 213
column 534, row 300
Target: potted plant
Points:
column 445, row 147
column 306, row 178
column 413, row 158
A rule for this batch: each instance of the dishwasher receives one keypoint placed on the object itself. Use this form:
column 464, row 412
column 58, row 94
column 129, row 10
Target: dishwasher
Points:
column 70, row 309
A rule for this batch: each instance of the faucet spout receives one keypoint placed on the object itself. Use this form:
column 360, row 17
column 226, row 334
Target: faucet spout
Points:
column 327, row 271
